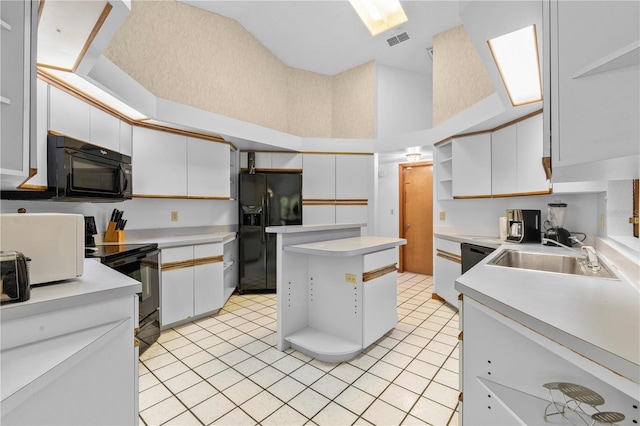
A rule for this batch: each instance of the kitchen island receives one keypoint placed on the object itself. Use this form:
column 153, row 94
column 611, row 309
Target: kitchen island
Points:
column 68, row 355
column 523, row 329
column 336, row 289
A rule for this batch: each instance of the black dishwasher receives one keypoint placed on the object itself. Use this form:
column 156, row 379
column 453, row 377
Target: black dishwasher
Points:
column 472, row 254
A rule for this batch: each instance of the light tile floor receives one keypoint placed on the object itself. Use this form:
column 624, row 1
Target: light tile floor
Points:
column 225, row 370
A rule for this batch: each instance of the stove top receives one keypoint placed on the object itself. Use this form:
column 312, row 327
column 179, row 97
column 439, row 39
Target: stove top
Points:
column 113, row 251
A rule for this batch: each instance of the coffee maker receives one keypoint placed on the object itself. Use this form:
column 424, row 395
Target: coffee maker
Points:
column 523, row 226
column 554, row 225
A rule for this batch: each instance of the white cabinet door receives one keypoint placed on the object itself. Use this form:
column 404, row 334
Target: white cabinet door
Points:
column 531, row 176
column 105, row 129
column 596, row 104
column 69, row 115
column 472, row 166
column 352, row 176
column 208, row 282
column 318, row 215
column 126, row 139
column 17, row 90
column 286, row 161
column 42, row 108
column 159, row 163
column 504, row 161
column 319, row 176
column 207, row 168
column 176, row 288
column 447, row 268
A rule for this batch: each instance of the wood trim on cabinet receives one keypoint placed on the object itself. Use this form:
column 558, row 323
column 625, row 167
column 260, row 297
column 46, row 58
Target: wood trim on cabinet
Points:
column 546, row 165
column 377, row 273
column 480, row 132
column 207, row 260
column 180, row 197
column 24, row 185
column 335, row 153
column 455, row 258
column 448, row 255
column 85, row 97
column 178, row 264
column 437, row 297
column 464, row 197
column 93, row 34
column 522, row 194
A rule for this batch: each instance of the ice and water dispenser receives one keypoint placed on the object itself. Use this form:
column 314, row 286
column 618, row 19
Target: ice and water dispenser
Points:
column 251, row 215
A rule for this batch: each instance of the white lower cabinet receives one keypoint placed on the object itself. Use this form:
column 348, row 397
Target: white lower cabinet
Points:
column 208, row 283
column 447, row 268
column 193, row 282
column 72, row 366
column 505, row 365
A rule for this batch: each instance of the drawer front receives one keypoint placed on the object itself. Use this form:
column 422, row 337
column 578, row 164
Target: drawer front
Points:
column 176, row 254
column 207, row 250
column 379, row 259
column 448, row 246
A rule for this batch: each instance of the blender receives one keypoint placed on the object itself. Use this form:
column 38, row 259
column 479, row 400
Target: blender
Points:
column 554, row 225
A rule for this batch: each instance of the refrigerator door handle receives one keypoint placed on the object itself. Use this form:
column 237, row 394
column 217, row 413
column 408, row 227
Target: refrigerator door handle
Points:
column 265, row 216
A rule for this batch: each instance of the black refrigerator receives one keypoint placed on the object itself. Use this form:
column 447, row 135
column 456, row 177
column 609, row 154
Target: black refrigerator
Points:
column 266, row 199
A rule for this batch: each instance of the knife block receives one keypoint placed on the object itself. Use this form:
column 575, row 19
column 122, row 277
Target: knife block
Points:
column 112, row 235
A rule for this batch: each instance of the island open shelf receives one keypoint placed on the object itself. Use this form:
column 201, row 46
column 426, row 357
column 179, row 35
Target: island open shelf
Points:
column 336, row 290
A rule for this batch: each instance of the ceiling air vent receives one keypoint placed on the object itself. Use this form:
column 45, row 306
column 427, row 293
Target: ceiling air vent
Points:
column 398, row 38
column 430, row 52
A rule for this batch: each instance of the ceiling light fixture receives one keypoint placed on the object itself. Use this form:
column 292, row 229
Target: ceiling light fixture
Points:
column 379, row 15
column 412, row 157
column 516, row 55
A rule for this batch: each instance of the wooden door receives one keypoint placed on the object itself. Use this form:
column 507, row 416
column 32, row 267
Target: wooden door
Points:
column 416, row 217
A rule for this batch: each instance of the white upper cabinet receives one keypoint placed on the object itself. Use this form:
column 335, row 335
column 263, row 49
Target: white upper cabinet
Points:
column 126, row 139
column 69, row 115
column 319, row 177
column 207, row 168
column 504, row 160
column 159, row 163
column 472, row 166
column 594, row 89
column 531, row 176
column 516, row 159
column 17, row 90
column 104, row 130
column 352, row 176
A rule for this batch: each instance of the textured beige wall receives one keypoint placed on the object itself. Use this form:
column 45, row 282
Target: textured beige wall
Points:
column 459, row 77
column 354, row 102
column 207, row 61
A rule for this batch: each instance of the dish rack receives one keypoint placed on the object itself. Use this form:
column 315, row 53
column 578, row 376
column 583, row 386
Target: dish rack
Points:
column 568, row 400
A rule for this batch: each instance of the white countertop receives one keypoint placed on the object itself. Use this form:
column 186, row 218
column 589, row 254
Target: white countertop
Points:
column 98, row 282
column 345, row 247
column 486, row 241
column 183, row 240
column 598, row 318
column 290, row 229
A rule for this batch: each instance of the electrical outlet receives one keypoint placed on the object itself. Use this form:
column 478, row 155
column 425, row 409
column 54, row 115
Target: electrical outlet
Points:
column 174, row 216
column 443, row 215
column 350, row 278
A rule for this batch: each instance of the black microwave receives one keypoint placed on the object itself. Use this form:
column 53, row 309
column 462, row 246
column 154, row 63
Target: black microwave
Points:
column 80, row 171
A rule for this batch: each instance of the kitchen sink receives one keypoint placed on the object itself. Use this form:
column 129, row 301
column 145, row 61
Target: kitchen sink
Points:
column 558, row 263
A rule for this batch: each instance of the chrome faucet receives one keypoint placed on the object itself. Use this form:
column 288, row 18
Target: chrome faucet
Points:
column 589, row 252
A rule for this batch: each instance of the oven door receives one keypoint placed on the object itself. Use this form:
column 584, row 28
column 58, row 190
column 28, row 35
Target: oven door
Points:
column 93, row 176
column 144, row 268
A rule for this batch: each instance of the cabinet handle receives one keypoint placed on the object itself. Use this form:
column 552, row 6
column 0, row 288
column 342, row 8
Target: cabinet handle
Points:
column 5, row 101
column 136, row 342
column 5, row 25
